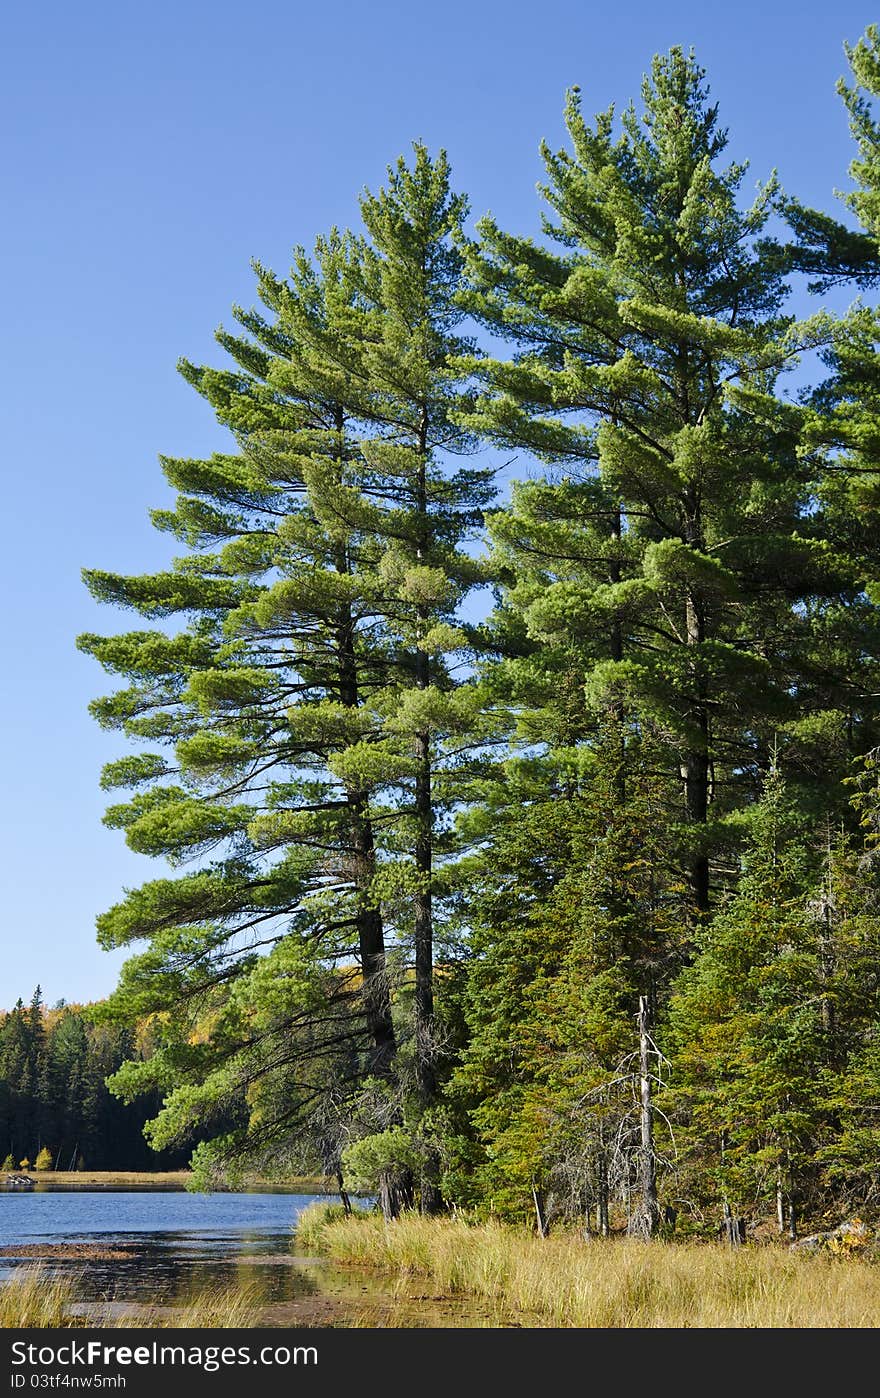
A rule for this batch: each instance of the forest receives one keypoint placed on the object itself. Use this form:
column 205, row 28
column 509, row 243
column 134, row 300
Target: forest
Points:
column 56, row 1112
column 507, row 729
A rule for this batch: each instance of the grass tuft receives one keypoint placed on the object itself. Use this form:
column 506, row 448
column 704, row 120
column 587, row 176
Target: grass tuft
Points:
column 310, row 1228
column 33, row 1298
column 232, row 1308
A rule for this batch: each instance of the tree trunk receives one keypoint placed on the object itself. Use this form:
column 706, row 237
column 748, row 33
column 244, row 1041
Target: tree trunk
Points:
column 395, row 1193
column 371, row 944
column 431, row 1200
column 733, row 1228
column 649, row 1212
column 602, row 1226
column 371, row 933
column 423, row 929
column 539, row 1213
column 616, row 709
column 346, row 1202
column 828, row 957
column 614, row 575
column 696, row 765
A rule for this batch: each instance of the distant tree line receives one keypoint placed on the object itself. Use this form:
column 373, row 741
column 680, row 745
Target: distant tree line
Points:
column 569, row 903
column 55, row 1107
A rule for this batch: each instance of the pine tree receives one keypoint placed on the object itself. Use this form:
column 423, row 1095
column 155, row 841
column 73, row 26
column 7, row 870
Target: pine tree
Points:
column 59, row 1101
column 264, row 687
column 578, row 915
column 841, row 641
column 750, row 1019
column 35, row 1027
column 308, row 706
column 407, row 393
column 827, row 250
column 13, row 1066
column 847, row 911
column 672, row 548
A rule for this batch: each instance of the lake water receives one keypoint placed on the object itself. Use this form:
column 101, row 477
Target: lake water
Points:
column 77, row 1215
column 170, row 1246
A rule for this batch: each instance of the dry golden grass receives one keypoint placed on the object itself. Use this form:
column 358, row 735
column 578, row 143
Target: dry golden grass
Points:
column 168, row 1179
column 33, row 1298
column 566, row 1282
column 232, row 1308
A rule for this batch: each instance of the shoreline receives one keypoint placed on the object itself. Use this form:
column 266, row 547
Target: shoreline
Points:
column 170, row 1179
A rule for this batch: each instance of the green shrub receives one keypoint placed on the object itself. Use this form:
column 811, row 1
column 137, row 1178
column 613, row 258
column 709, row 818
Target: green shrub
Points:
column 389, row 1155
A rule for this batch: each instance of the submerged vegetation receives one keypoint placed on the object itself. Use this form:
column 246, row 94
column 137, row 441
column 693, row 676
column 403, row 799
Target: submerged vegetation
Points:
column 565, row 907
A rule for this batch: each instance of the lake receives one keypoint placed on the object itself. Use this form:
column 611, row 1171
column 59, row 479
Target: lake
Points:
column 169, row 1246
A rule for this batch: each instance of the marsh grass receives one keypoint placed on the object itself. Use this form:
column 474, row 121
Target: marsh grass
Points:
column 227, row 1308
column 34, row 1298
column 620, row 1283
column 310, row 1229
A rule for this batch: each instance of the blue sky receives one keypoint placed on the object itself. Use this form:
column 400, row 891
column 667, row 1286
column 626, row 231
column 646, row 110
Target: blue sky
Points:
column 150, row 152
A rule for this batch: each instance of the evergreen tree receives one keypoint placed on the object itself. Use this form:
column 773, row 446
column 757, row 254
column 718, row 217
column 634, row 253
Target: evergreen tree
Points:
column 411, row 278
column 673, row 547
column 56, row 1100
column 315, row 724
column 578, row 915
column 35, row 1027
column 847, row 910
column 828, row 250
column 749, row 1018
column 690, row 588
column 262, row 690
column 841, row 644
column 13, row 1062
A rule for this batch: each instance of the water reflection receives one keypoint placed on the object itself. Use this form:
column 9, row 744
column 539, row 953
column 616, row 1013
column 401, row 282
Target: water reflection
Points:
column 175, row 1267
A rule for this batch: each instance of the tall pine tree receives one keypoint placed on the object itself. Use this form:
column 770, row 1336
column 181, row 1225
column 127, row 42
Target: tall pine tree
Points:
column 308, row 706
column 672, row 545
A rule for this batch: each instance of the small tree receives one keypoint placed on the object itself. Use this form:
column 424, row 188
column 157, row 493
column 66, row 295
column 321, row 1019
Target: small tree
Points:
column 385, row 1163
column 44, row 1159
column 576, row 921
column 748, row 1016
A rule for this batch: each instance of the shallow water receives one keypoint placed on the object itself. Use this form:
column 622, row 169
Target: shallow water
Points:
column 176, row 1245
